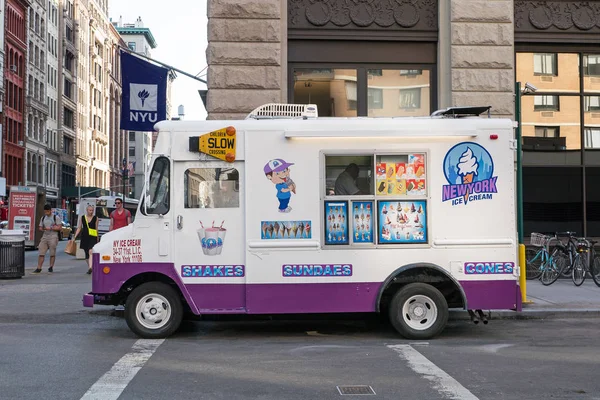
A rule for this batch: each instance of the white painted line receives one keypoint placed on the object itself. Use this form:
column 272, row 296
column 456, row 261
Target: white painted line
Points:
column 442, row 382
column 111, row 384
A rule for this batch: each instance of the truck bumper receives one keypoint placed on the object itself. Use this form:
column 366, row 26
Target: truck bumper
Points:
column 88, row 300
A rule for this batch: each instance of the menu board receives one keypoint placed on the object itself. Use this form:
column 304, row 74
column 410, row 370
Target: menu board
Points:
column 336, row 222
column 401, row 175
column 362, row 221
column 402, row 221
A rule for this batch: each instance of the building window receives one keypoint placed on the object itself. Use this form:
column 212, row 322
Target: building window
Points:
column 545, row 103
column 131, row 46
column 410, row 98
column 68, row 145
column 68, row 118
column 132, row 136
column 547, row 131
column 591, row 65
column 592, row 103
column 375, row 98
column 131, row 151
column 545, row 64
column 68, row 88
column 592, row 138
column 332, row 90
column 411, row 72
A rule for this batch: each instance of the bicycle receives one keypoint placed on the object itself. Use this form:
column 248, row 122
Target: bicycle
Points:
column 536, row 257
column 594, row 263
column 549, row 263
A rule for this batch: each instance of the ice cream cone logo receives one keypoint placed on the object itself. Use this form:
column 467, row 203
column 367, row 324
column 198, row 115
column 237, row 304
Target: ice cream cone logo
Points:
column 467, row 169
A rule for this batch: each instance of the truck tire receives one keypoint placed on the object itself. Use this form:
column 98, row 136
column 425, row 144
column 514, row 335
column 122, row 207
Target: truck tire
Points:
column 418, row 311
column 153, row 310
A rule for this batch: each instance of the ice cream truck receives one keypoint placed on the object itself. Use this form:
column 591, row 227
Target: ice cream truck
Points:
column 286, row 212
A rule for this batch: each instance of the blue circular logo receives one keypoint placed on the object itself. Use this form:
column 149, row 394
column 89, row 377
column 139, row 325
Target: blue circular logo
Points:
column 203, row 243
column 211, row 243
column 468, row 162
column 220, row 242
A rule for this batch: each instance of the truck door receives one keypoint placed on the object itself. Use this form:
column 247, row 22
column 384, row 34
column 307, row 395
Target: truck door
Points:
column 209, row 237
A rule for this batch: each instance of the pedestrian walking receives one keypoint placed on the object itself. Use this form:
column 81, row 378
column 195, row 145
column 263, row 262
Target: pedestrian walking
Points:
column 49, row 225
column 88, row 227
column 119, row 217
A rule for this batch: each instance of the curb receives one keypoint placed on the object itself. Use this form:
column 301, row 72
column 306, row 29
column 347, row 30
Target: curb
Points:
column 547, row 313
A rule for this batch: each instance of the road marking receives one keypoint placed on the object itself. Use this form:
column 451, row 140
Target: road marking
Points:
column 442, row 382
column 111, row 384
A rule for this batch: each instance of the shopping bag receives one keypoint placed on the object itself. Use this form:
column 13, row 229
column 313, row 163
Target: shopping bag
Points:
column 71, row 248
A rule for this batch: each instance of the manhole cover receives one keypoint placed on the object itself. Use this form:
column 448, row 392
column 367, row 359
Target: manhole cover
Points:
column 355, row 390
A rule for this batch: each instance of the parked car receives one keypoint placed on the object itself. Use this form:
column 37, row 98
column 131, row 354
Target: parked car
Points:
column 65, row 232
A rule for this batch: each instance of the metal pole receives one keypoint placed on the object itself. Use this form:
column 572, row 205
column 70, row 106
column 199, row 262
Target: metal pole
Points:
column 124, row 177
column 127, row 50
column 521, row 253
column 518, row 137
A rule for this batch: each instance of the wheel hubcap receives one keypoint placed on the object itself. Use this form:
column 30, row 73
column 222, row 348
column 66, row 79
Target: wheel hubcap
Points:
column 153, row 311
column 419, row 312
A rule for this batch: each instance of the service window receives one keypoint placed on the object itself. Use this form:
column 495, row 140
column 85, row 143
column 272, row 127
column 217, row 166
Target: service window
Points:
column 350, row 175
column 212, row 188
column 389, row 206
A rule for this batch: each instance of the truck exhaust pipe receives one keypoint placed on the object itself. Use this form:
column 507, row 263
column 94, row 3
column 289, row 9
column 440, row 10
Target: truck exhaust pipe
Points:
column 474, row 318
column 482, row 317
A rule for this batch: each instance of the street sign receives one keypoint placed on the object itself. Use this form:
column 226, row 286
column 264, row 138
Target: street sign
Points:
column 219, row 144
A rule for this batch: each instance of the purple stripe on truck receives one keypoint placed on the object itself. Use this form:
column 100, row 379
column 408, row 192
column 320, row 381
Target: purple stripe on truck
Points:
column 492, row 295
column 312, row 298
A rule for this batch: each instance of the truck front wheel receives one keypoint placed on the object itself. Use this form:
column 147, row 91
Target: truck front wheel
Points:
column 419, row 311
column 153, row 310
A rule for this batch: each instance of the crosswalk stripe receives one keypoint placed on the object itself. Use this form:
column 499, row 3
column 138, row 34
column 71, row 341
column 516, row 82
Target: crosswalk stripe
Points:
column 441, row 381
column 111, row 384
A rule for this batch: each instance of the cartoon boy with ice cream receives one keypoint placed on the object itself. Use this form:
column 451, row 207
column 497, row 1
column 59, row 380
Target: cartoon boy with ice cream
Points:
column 277, row 171
column 467, row 169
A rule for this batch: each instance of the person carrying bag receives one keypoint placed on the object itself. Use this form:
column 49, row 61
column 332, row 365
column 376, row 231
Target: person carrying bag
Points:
column 88, row 227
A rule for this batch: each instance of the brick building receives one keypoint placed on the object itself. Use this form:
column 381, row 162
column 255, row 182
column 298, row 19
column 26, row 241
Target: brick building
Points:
column 15, row 62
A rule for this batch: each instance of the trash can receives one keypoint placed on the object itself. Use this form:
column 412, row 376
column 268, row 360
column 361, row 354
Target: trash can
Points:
column 12, row 254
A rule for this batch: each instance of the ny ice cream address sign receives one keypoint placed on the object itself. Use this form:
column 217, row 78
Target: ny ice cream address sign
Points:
column 469, row 170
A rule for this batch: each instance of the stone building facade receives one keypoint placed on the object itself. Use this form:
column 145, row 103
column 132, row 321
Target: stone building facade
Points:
column 397, row 58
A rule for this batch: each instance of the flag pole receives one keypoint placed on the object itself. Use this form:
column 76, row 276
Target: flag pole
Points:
column 161, row 63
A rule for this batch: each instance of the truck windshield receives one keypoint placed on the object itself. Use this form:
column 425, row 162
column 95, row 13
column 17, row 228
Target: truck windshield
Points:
column 158, row 190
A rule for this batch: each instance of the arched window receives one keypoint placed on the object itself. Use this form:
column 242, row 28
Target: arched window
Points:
column 35, row 127
column 30, row 125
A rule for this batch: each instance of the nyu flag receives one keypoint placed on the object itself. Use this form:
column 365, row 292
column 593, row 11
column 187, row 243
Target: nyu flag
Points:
column 144, row 101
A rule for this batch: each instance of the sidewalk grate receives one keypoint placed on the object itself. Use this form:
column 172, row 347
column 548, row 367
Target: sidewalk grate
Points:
column 356, row 390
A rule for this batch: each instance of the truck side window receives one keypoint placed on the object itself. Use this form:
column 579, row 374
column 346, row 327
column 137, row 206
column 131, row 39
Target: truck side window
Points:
column 158, row 193
column 348, row 175
column 212, row 188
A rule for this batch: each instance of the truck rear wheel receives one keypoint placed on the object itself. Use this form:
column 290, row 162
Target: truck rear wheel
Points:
column 419, row 311
column 153, row 310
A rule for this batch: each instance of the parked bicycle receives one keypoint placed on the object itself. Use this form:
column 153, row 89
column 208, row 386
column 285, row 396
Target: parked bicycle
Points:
column 543, row 263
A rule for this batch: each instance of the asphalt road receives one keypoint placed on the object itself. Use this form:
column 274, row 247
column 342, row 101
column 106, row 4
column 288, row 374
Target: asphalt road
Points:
column 52, row 348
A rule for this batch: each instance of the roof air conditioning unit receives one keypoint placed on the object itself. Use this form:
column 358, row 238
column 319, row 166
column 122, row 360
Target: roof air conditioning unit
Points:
column 20, row 143
column 13, row 68
column 275, row 110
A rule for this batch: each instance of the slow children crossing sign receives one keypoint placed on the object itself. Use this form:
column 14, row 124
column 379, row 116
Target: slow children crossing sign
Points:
column 219, row 144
